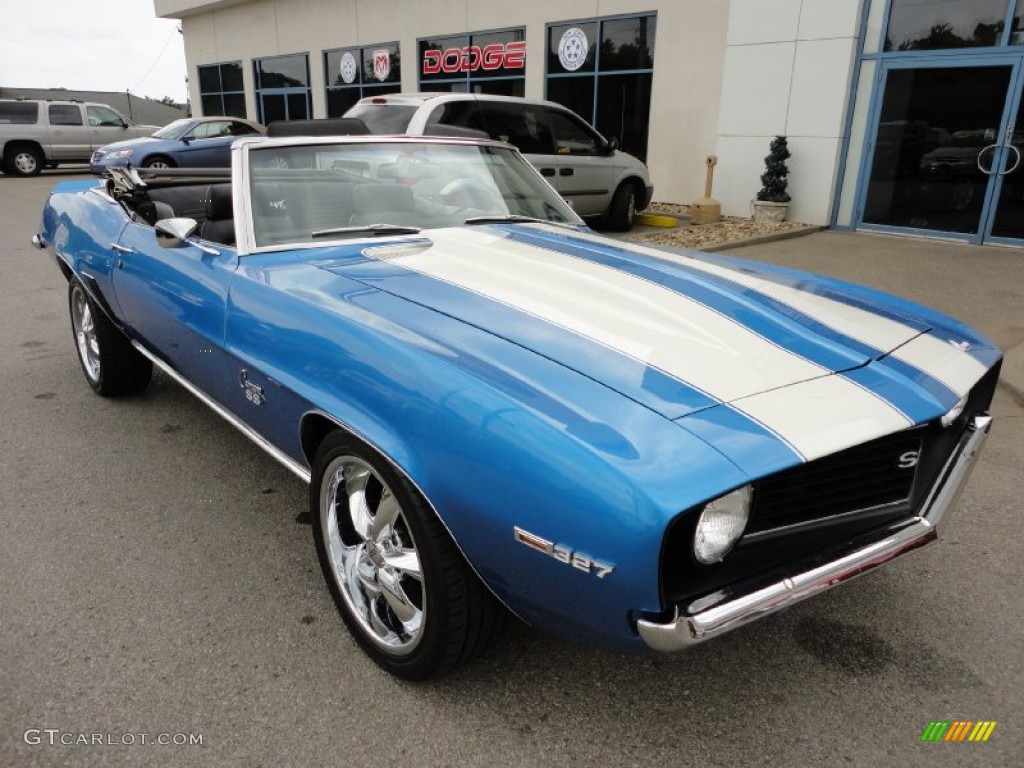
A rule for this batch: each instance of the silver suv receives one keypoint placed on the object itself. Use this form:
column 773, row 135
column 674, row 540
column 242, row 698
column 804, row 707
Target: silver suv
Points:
column 36, row 133
column 584, row 167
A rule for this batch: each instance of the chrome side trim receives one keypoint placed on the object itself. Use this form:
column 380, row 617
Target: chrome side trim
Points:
column 724, row 611
column 289, row 463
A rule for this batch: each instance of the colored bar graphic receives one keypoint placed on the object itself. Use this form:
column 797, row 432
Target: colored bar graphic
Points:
column 958, row 730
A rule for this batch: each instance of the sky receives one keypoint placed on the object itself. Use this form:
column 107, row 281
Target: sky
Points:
column 96, row 45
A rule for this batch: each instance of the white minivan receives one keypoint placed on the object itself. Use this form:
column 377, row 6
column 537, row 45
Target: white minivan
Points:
column 586, row 169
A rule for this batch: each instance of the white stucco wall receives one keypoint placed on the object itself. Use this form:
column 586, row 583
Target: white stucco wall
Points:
column 788, row 67
column 689, row 54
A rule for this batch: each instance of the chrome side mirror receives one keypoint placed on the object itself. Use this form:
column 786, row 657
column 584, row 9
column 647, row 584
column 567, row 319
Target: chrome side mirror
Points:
column 174, row 233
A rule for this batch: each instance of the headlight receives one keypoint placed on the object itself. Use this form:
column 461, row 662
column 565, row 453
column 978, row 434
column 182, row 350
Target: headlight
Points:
column 119, row 154
column 721, row 524
column 955, row 411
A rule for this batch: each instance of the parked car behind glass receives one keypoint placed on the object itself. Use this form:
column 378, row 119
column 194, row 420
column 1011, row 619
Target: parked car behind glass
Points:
column 195, row 142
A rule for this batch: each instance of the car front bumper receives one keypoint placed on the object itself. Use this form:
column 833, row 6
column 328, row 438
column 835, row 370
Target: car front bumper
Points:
column 729, row 609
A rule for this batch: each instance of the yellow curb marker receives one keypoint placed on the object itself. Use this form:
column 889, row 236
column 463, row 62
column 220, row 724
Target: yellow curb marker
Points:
column 656, row 220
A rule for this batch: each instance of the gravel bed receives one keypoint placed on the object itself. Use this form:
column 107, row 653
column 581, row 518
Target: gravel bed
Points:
column 729, row 229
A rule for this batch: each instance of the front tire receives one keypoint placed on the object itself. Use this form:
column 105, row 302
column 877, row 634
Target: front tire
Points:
column 111, row 365
column 158, row 161
column 622, row 211
column 403, row 589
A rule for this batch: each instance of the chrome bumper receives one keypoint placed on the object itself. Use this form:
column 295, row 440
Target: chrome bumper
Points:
column 826, row 570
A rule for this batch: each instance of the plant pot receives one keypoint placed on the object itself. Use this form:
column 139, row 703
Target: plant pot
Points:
column 764, row 210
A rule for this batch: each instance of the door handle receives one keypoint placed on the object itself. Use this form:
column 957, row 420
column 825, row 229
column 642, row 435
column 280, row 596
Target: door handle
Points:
column 567, row 171
column 987, row 172
column 547, row 172
column 1016, row 165
column 121, row 249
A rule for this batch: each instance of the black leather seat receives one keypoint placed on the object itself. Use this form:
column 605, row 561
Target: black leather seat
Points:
column 219, row 224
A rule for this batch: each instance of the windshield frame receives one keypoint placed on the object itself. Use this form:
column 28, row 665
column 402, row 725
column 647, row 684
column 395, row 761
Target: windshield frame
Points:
column 242, row 166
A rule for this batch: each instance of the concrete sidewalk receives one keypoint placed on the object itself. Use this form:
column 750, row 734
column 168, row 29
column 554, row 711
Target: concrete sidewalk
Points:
column 981, row 285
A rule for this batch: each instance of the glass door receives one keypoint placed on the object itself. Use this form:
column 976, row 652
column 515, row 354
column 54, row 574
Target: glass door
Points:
column 1005, row 221
column 939, row 152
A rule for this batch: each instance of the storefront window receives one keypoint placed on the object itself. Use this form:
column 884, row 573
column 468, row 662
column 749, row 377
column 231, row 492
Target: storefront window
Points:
column 282, row 88
column 483, row 62
column 927, row 26
column 602, row 70
column 221, row 91
column 352, row 73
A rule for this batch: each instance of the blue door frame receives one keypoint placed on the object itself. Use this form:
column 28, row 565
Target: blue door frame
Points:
column 1015, row 63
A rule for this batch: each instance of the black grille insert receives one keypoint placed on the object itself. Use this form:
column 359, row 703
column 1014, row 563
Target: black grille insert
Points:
column 870, row 475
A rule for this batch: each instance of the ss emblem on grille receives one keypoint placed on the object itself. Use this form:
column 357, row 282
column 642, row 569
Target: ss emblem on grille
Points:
column 908, row 460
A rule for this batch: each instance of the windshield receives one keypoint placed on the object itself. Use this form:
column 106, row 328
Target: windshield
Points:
column 383, row 119
column 173, row 130
column 324, row 192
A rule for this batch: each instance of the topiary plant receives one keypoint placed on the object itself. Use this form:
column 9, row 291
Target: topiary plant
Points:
column 774, row 177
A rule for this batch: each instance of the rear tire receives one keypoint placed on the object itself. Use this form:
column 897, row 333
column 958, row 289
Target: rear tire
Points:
column 399, row 582
column 622, row 211
column 23, row 160
column 111, row 365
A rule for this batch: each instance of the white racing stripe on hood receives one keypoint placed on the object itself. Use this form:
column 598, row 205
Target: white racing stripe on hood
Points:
column 822, row 416
column 939, row 359
column 646, row 321
column 943, row 361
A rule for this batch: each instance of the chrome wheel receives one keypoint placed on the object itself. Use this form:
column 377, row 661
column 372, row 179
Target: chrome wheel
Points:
column 158, row 163
column 372, row 555
column 85, row 335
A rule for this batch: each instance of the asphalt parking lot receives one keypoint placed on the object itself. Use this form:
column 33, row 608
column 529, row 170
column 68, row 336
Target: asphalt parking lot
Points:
column 155, row 580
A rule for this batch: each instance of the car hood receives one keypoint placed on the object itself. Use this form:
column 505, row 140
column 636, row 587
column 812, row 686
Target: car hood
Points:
column 130, row 143
column 683, row 332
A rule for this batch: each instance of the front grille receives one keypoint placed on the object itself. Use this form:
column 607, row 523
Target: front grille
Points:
column 862, row 477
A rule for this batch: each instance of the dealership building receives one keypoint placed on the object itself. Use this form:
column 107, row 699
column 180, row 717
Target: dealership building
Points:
column 901, row 115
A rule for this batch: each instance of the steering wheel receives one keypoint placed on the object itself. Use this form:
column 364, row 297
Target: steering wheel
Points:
column 472, row 193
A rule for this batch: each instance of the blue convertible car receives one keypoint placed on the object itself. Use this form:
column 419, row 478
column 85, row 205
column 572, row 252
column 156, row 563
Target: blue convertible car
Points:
column 498, row 410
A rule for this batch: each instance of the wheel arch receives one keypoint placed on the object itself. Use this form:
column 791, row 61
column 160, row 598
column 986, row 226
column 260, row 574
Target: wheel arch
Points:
column 639, row 187
column 14, row 143
column 314, row 428
column 158, row 156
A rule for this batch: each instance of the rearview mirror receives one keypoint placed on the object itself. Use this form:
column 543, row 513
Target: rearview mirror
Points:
column 174, row 233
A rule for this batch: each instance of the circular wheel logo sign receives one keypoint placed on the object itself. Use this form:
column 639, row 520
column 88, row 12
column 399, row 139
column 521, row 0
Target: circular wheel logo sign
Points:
column 348, row 68
column 573, row 49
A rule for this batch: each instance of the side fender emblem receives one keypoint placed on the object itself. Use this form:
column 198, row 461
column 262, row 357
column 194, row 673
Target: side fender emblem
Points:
column 253, row 391
column 563, row 554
